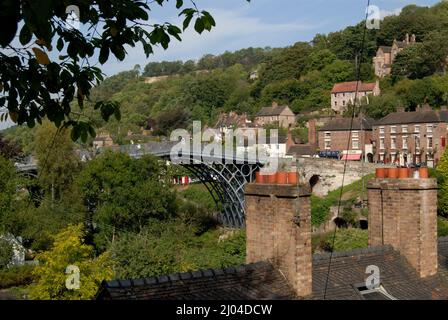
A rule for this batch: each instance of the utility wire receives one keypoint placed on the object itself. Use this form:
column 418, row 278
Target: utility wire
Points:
column 358, row 78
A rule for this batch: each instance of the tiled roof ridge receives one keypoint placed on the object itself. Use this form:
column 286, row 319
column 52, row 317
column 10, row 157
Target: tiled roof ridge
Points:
column 356, row 252
column 182, row 276
column 352, row 253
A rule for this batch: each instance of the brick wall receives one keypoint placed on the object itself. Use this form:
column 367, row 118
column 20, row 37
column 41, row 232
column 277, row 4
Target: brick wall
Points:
column 278, row 227
column 339, row 140
column 403, row 213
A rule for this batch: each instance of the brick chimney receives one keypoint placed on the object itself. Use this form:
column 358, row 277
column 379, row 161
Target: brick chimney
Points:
column 312, row 132
column 403, row 213
column 401, row 109
column 278, row 229
column 274, row 104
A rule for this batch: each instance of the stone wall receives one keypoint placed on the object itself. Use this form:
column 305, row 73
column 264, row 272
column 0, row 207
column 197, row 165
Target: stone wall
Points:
column 329, row 173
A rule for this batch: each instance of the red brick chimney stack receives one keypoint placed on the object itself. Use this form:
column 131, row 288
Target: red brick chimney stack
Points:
column 403, row 213
column 278, row 229
column 312, row 132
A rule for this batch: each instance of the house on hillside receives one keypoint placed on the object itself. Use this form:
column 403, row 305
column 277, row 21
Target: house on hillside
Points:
column 103, row 140
column 281, row 115
column 344, row 94
column 232, row 120
column 351, row 139
column 385, row 56
column 405, row 138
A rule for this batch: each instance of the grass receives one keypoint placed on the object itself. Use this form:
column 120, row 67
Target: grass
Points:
column 346, row 240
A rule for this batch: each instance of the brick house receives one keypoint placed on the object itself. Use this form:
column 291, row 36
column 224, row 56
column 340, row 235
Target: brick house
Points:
column 335, row 136
column 385, row 56
column 281, row 115
column 403, row 246
column 344, row 94
column 405, row 138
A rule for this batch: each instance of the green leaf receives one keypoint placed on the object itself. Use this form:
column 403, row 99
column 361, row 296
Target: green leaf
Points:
column 104, row 54
column 187, row 21
column 25, row 35
column 179, row 3
column 76, row 132
column 199, row 25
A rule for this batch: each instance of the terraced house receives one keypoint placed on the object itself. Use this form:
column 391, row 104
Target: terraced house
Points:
column 405, row 138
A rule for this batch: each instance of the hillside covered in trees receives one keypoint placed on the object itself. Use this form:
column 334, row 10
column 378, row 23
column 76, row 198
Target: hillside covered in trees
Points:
column 301, row 75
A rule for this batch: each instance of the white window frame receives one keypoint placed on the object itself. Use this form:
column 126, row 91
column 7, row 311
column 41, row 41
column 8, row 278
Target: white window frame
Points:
column 404, row 141
column 404, row 129
column 393, row 129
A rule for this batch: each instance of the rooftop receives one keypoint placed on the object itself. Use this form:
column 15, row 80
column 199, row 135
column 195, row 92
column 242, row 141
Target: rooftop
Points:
column 345, row 124
column 275, row 110
column 420, row 116
column 262, row 281
column 351, row 87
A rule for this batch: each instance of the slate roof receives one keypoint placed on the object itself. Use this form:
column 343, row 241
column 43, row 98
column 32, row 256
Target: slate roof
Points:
column 386, row 49
column 256, row 281
column 399, row 279
column 344, row 124
column 351, row 87
column 430, row 116
column 301, row 150
column 262, row 281
column 271, row 111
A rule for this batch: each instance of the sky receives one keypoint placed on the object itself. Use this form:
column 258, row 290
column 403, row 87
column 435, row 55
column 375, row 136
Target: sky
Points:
column 260, row 23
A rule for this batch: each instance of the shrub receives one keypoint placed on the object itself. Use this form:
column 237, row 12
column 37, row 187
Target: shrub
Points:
column 16, row 276
column 69, row 249
column 442, row 227
column 6, row 253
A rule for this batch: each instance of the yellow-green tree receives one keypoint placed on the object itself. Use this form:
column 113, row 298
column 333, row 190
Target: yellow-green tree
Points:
column 442, row 169
column 58, row 267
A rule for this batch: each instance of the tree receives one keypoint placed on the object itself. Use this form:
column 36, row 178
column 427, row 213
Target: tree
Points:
column 53, row 271
column 123, row 194
column 442, row 169
column 9, row 182
column 9, row 149
column 57, row 161
column 36, row 85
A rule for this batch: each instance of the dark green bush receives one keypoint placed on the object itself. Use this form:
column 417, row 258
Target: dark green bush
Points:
column 6, row 253
column 442, row 227
column 16, row 276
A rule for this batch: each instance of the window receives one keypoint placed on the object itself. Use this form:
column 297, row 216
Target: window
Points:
column 355, row 144
column 382, row 157
column 430, row 141
column 381, row 130
column 417, row 129
column 336, row 103
column 382, row 143
column 327, row 145
column 417, row 141
column 404, row 129
column 328, row 135
column 393, row 129
column 405, row 142
column 355, row 134
column 343, row 102
column 393, row 143
column 429, row 128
